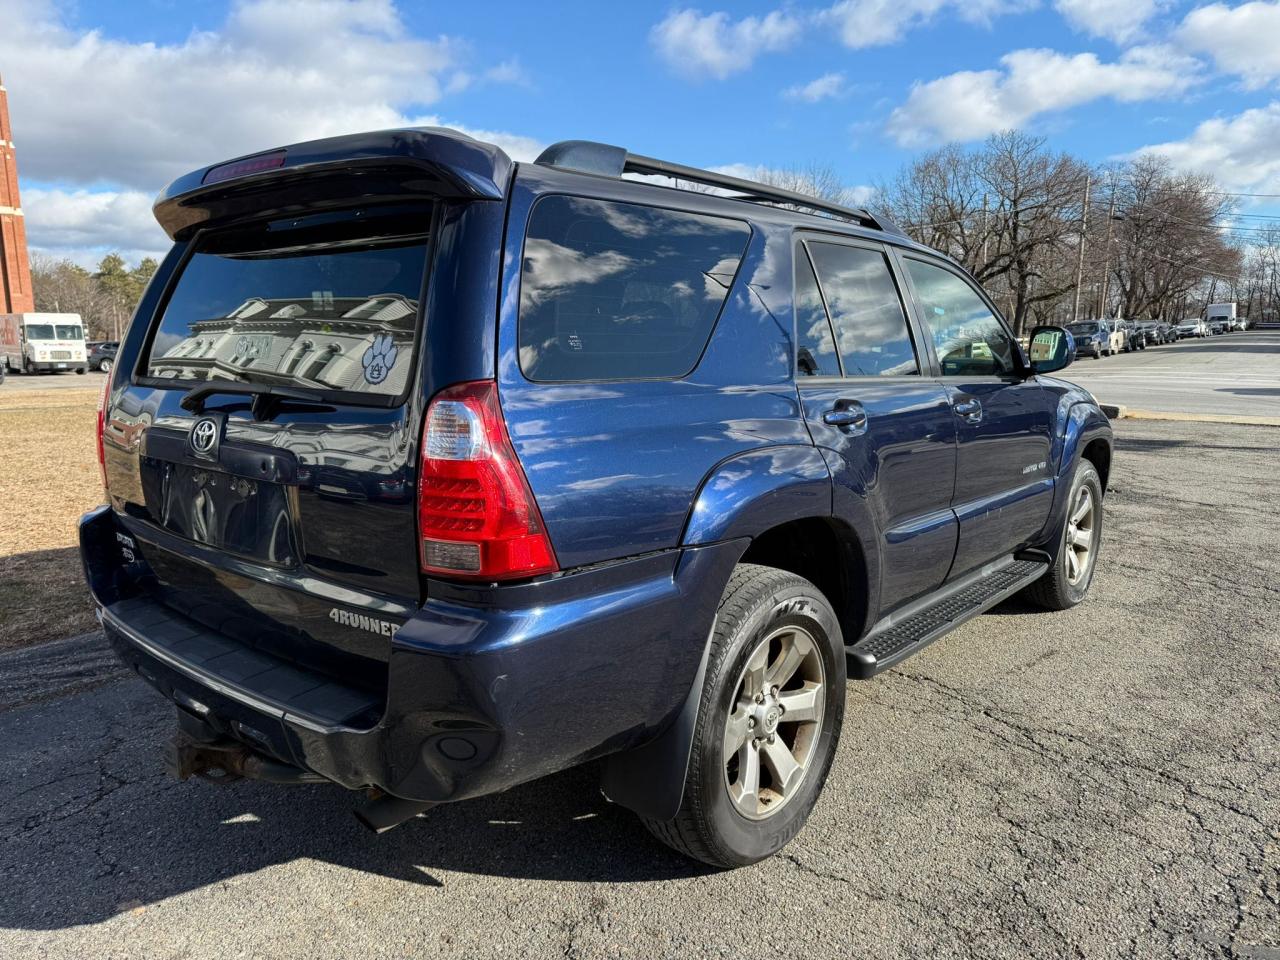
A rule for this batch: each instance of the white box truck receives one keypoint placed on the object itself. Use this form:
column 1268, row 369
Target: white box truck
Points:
column 42, row 342
column 1221, row 317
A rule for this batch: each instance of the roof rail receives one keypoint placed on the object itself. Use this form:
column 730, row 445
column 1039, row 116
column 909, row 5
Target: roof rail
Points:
column 606, row 160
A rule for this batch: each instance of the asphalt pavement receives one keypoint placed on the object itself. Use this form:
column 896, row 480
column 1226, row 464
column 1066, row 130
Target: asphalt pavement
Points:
column 1230, row 375
column 1103, row 782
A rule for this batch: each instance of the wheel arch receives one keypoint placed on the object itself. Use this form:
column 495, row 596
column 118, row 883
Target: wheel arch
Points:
column 779, row 500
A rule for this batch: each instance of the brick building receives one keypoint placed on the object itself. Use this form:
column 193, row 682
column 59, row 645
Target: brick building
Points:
column 15, row 268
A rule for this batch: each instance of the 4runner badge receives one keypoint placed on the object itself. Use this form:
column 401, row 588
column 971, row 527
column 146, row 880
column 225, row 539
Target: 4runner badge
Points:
column 384, row 628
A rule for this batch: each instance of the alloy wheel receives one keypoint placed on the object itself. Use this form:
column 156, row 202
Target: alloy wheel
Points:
column 771, row 735
column 1080, row 537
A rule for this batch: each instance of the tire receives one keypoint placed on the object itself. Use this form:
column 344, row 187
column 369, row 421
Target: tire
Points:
column 105, row 367
column 718, row 821
column 80, row 371
column 1057, row 590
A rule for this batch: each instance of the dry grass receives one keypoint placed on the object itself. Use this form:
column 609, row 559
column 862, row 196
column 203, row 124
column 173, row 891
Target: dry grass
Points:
column 48, row 478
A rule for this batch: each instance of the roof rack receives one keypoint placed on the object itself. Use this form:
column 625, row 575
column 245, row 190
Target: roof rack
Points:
column 606, row 160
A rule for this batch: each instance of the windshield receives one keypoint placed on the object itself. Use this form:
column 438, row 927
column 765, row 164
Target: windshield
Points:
column 327, row 310
column 1084, row 329
column 40, row 331
column 70, row 331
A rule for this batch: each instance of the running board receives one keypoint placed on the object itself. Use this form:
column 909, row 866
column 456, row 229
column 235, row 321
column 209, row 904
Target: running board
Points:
column 894, row 639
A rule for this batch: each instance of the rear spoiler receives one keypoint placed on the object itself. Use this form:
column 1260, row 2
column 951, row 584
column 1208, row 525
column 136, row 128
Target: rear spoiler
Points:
column 389, row 166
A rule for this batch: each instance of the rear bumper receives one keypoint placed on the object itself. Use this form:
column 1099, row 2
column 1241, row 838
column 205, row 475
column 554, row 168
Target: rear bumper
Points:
column 486, row 687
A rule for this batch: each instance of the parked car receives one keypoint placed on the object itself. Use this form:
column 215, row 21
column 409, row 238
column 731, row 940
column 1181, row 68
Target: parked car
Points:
column 1170, row 332
column 1092, row 338
column 1192, row 327
column 1135, row 336
column 663, row 469
column 1217, row 325
column 102, row 355
column 1151, row 333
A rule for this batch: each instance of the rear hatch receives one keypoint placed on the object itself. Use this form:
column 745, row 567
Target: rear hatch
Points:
column 269, row 435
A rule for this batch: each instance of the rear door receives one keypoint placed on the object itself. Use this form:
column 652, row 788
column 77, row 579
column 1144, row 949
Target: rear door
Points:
column 1004, row 484
column 889, row 429
column 286, row 520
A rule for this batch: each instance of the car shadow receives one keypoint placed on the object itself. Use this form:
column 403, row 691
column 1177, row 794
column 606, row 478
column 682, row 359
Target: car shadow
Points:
column 103, row 830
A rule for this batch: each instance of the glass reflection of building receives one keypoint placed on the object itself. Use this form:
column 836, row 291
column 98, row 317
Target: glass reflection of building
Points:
column 317, row 341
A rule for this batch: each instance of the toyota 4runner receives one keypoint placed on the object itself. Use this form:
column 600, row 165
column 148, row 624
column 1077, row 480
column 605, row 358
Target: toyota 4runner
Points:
column 430, row 473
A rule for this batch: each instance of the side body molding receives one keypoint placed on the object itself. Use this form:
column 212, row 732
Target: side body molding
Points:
column 741, row 498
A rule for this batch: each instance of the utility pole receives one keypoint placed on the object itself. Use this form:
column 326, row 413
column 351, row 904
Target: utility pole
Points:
column 1084, row 227
column 1106, row 254
column 984, row 230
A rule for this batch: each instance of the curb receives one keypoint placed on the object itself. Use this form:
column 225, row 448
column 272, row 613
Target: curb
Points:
column 1239, row 419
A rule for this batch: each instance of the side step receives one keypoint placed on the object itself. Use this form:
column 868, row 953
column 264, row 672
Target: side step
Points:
column 897, row 637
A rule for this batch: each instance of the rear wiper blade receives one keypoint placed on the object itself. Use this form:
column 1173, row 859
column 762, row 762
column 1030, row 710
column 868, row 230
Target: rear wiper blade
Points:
column 262, row 393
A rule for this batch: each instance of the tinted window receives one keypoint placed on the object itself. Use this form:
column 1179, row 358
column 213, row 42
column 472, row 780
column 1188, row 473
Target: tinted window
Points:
column 969, row 339
column 332, row 308
column 70, row 331
column 816, row 353
column 615, row 291
column 866, row 311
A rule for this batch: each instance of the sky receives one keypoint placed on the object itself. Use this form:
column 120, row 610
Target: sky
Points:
column 111, row 99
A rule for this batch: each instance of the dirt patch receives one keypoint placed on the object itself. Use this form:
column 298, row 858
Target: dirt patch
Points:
column 48, row 477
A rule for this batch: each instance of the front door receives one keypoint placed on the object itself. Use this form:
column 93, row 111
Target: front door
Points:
column 888, row 433
column 1004, row 483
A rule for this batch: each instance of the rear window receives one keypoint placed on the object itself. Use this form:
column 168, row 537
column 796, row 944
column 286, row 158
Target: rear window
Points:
column 321, row 303
column 618, row 291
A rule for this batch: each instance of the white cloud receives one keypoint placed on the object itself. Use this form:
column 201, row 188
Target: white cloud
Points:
column 870, row 23
column 696, row 43
column 110, row 122
column 827, row 85
column 1241, row 152
column 970, row 105
column 1117, row 20
column 1242, row 40
column 91, row 109
column 84, row 225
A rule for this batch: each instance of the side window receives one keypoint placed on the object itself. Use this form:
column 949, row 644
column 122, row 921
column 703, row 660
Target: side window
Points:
column 866, row 311
column 620, row 291
column 969, row 339
column 815, row 347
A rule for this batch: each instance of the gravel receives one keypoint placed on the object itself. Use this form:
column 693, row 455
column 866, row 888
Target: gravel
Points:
column 1103, row 782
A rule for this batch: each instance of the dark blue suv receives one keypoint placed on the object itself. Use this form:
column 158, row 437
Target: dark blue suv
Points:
column 430, row 473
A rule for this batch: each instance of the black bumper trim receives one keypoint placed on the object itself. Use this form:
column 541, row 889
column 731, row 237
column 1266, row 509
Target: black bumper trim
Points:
column 235, row 670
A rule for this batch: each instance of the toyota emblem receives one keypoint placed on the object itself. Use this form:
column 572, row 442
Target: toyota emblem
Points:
column 204, row 435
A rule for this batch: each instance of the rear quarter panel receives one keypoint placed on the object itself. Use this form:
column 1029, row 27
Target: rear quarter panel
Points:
column 615, row 465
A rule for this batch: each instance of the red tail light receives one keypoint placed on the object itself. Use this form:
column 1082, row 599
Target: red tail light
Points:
column 102, row 427
column 476, row 515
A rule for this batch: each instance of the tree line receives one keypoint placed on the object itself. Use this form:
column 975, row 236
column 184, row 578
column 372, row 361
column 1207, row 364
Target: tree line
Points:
column 1050, row 237
column 105, row 298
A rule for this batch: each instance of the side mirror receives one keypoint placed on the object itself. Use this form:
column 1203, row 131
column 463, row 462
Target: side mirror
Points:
column 1052, row 348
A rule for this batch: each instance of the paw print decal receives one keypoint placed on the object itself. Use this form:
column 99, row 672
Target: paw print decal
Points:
column 379, row 358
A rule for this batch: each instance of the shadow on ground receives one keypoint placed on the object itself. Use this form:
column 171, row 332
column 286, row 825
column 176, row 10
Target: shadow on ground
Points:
column 83, row 842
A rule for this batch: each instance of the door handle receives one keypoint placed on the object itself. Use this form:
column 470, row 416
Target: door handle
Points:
column 970, row 410
column 846, row 414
